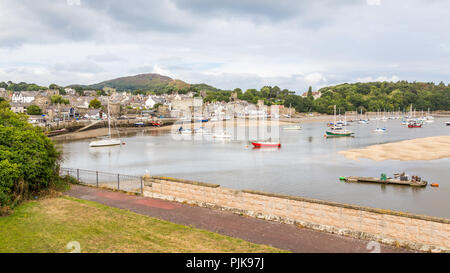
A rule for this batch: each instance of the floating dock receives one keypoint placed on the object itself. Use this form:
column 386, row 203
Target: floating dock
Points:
column 387, row 181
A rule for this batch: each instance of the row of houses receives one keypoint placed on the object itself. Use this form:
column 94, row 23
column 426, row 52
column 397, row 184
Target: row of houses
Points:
column 120, row 103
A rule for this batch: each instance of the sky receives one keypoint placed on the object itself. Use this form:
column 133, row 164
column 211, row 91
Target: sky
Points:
column 228, row 44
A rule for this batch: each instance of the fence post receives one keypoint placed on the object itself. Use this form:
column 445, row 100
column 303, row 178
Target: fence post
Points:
column 96, row 177
column 118, row 181
column 142, row 187
column 78, row 175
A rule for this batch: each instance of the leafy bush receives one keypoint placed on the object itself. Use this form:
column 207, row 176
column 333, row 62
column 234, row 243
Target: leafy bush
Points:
column 29, row 163
column 34, row 110
column 95, row 103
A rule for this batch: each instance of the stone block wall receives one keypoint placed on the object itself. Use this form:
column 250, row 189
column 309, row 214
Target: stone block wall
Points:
column 413, row 231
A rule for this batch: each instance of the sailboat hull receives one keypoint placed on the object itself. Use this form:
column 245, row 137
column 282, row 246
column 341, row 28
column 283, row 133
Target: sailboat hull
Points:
column 266, row 144
column 338, row 134
column 105, row 142
column 291, row 128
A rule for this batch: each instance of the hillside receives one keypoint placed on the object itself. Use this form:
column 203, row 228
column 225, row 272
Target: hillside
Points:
column 148, row 82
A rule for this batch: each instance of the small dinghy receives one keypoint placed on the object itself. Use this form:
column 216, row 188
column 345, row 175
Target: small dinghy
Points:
column 260, row 144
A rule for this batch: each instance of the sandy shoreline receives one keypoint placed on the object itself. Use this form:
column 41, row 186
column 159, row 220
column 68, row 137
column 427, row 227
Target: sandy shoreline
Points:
column 428, row 148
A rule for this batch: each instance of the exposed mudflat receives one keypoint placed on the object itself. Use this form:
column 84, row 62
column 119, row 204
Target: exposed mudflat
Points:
column 428, row 148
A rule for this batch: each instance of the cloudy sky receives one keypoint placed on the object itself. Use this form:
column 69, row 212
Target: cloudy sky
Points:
column 227, row 43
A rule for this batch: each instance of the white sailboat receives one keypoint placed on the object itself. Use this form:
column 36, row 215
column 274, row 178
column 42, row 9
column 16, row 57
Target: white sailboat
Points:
column 429, row 118
column 291, row 127
column 378, row 129
column 361, row 120
column 222, row 135
column 108, row 141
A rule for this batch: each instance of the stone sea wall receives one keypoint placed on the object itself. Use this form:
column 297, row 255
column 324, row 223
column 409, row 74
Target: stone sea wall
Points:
column 417, row 232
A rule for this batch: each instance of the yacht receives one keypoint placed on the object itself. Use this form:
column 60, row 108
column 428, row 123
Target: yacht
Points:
column 108, row 141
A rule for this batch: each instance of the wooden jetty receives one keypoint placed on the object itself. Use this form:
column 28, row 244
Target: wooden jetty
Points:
column 388, row 180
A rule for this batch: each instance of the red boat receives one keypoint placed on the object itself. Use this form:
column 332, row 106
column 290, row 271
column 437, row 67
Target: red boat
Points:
column 156, row 124
column 266, row 144
column 414, row 125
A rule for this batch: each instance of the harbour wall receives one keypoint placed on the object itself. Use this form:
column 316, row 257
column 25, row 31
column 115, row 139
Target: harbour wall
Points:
column 417, row 232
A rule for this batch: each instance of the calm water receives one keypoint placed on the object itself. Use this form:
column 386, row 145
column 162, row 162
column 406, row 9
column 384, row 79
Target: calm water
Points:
column 307, row 165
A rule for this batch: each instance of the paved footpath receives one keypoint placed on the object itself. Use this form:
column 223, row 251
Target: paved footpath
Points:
column 279, row 235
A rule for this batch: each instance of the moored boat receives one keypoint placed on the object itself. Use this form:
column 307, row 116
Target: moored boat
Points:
column 259, row 144
column 337, row 131
column 414, row 125
column 398, row 179
column 105, row 142
column 292, row 128
column 379, row 130
column 224, row 135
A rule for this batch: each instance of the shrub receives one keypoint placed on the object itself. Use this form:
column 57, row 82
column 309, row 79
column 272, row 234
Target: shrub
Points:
column 34, row 110
column 29, row 162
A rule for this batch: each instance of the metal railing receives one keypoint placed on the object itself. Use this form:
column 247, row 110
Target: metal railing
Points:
column 115, row 181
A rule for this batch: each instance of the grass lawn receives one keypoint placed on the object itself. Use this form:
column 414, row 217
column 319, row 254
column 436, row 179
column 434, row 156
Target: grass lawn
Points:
column 48, row 225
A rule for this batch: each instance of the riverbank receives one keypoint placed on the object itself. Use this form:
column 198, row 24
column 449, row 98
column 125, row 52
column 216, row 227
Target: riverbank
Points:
column 429, row 148
column 100, row 132
column 58, row 225
column 124, row 131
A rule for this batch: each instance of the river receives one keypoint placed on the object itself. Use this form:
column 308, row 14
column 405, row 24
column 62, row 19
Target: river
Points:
column 306, row 165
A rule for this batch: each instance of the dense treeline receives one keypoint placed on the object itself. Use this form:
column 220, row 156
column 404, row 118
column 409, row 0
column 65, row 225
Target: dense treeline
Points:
column 389, row 96
column 22, row 86
column 372, row 96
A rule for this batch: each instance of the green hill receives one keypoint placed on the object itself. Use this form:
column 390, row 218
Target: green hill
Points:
column 148, row 82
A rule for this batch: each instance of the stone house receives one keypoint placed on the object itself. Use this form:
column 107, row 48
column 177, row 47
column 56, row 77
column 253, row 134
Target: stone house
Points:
column 70, row 91
column 4, row 94
column 95, row 114
column 19, row 107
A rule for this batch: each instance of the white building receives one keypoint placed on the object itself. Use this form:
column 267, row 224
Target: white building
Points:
column 150, row 102
column 24, row 96
column 95, row 114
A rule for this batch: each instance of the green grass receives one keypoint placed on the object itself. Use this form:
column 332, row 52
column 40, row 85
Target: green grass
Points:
column 49, row 225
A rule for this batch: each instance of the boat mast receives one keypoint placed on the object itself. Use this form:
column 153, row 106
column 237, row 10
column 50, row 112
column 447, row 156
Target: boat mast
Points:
column 334, row 124
column 290, row 114
column 109, row 122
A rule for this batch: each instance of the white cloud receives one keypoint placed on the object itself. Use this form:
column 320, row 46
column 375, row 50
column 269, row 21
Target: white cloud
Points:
column 393, row 78
column 245, row 45
column 314, row 78
column 158, row 70
column 373, row 2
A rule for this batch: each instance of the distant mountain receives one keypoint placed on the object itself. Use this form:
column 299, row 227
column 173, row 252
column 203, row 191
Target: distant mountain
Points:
column 150, row 81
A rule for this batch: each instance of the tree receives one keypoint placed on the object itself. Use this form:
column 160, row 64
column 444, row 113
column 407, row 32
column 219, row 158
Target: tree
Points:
column 95, row 103
column 34, row 110
column 79, row 90
column 28, row 160
column 310, row 94
column 100, row 93
column 53, row 86
column 57, row 99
